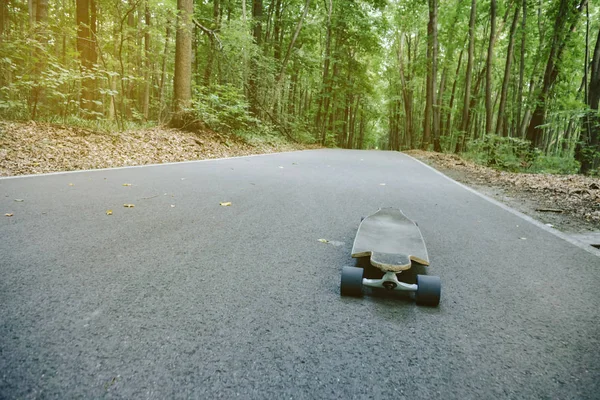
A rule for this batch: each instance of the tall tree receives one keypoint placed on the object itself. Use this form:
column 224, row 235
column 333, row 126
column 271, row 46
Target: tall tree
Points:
column 506, row 79
column 431, row 74
column 489, row 106
column 588, row 148
column 469, row 75
column 566, row 21
column 182, row 82
column 86, row 46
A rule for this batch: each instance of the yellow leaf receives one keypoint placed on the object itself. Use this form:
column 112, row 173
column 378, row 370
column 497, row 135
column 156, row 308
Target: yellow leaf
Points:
column 108, row 212
column 128, row 205
column 225, row 203
column 70, row 184
column 323, row 240
column 8, row 214
column 127, row 184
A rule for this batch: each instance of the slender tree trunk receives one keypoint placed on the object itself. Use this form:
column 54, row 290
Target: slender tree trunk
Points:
column 506, row 80
column 163, row 73
column 588, row 147
column 447, row 131
column 324, row 82
column 182, row 89
column 434, row 66
column 522, row 64
column 566, row 22
column 147, row 65
column 430, row 97
column 406, row 96
column 489, row 107
column 257, row 16
column 3, row 19
column 86, row 20
column 465, row 114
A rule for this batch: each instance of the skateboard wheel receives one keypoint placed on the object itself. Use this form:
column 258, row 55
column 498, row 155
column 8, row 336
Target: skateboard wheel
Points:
column 429, row 289
column 352, row 281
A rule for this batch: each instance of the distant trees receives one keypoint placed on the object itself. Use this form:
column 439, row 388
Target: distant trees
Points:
column 455, row 76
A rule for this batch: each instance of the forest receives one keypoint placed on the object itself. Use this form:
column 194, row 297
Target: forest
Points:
column 515, row 84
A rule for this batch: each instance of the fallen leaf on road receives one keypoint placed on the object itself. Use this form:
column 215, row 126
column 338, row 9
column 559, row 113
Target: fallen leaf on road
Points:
column 127, row 184
column 70, row 184
column 323, row 240
column 128, row 205
column 225, row 203
column 8, row 214
column 108, row 212
column 19, row 200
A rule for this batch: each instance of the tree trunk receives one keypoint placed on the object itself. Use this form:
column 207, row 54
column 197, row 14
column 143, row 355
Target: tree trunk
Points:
column 434, row 61
column 522, row 66
column 163, row 73
column 86, row 46
column 465, row 114
column 488, row 76
column 566, row 22
column 447, row 131
column 430, row 97
column 3, row 19
column 182, row 89
column 257, row 15
column 406, row 97
column 148, row 65
column 324, row 81
column 588, row 148
column 506, row 80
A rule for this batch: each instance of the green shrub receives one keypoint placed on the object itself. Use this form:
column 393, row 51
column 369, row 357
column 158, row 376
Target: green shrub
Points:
column 223, row 108
column 505, row 153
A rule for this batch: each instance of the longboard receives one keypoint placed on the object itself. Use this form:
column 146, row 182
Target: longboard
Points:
column 391, row 240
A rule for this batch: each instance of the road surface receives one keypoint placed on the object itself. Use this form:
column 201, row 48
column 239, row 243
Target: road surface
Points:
column 180, row 297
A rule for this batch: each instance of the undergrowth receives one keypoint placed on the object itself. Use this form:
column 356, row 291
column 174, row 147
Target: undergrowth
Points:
column 516, row 155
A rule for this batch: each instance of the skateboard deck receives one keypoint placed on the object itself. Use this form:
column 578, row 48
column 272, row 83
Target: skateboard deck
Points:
column 391, row 240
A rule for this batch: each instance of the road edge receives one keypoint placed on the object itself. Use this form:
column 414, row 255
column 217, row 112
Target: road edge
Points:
column 519, row 214
column 147, row 165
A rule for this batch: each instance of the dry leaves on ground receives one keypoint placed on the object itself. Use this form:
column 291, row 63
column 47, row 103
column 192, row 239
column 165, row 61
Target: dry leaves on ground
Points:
column 34, row 148
column 577, row 195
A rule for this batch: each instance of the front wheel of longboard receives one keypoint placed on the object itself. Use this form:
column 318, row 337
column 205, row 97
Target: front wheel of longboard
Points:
column 352, row 281
column 429, row 289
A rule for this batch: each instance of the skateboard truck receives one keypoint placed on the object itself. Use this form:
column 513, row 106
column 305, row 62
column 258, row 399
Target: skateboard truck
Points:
column 390, row 282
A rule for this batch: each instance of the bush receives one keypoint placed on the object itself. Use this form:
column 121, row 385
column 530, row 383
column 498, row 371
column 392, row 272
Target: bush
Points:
column 223, row 109
column 506, row 153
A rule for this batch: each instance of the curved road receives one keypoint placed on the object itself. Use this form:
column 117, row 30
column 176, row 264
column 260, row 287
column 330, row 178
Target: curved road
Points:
column 180, row 297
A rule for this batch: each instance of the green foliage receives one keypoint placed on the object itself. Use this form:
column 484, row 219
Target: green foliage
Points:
column 505, row 153
column 516, row 155
column 223, row 108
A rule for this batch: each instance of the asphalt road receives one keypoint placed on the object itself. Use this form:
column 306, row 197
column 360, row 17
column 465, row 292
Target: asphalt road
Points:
column 204, row 301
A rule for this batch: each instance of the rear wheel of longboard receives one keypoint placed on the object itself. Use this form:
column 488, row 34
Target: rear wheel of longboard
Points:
column 429, row 289
column 352, row 281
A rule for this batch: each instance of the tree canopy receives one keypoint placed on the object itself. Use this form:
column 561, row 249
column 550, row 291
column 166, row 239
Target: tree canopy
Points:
column 519, row 77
